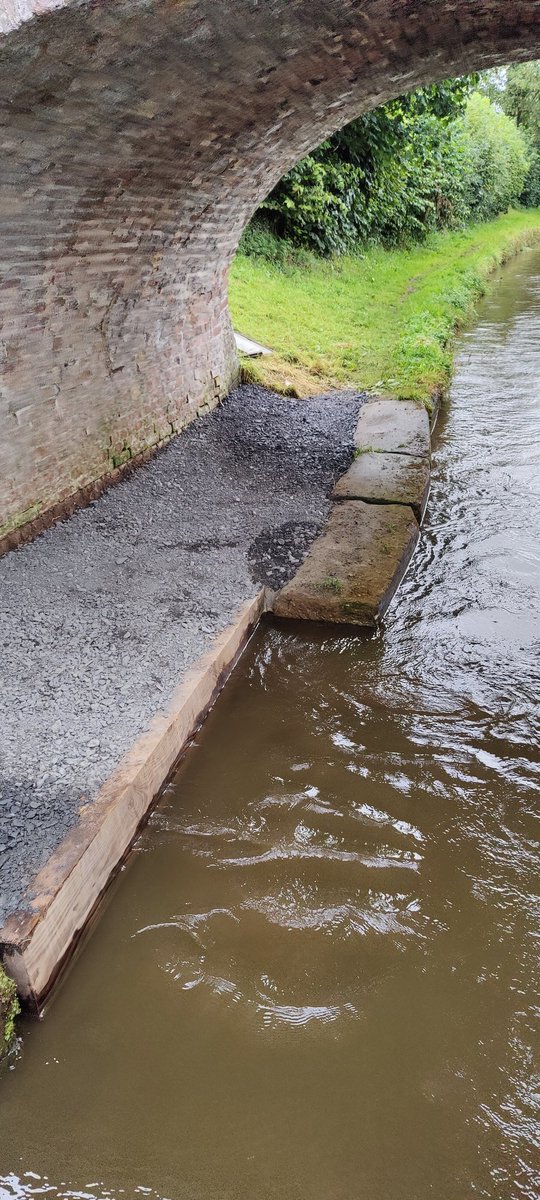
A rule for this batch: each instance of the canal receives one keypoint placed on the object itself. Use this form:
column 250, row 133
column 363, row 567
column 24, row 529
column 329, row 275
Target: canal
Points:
column 317, row 977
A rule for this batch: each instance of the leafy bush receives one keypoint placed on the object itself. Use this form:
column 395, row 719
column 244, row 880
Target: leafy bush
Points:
column 530, row 196
column 516, row 89
column 379, row 179
column 319, row 204
column 423, row 188
column 261, row 241
column 498, row 159
column 431, row 160
column 9, row 1010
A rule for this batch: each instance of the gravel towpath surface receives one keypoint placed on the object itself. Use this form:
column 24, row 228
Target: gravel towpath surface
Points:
column 102, row 615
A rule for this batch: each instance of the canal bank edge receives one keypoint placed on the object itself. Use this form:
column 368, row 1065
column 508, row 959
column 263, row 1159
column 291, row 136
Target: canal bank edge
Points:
column 355, row 564
column 37, row 942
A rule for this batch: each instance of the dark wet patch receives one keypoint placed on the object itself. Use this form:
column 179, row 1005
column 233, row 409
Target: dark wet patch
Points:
column 276, row 553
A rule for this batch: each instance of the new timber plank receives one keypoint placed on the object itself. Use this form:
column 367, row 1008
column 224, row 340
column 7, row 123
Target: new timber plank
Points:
column 37, row 941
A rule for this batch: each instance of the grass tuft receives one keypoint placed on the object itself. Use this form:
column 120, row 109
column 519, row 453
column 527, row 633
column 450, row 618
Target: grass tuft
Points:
column 9, row 1010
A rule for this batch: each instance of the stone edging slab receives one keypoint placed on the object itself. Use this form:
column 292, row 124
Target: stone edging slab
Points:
column 355, row 565
column 36, row 942
column 381, row 478
column 394, row 426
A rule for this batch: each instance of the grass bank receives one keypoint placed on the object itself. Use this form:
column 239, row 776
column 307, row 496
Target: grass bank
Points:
column 383, row 321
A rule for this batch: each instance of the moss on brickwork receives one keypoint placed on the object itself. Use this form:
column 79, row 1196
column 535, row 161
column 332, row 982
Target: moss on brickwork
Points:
column 9, row 1010
column 22, row 518
column 122, row 457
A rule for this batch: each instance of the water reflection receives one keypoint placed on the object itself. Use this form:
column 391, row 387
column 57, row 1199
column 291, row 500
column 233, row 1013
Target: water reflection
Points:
column 318, row 978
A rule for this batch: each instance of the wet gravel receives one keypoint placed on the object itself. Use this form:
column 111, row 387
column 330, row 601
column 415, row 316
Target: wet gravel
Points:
column 276, row 553
column 101, row 616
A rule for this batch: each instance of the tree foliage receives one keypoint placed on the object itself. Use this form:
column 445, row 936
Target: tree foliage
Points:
column 435, row 158
column 516, row 90
column 520, row 97
column 498, row 159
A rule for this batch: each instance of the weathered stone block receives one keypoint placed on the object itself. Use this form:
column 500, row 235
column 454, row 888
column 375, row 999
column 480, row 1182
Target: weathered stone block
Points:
column 395, row 426
column 386, row 479
column 353, row 567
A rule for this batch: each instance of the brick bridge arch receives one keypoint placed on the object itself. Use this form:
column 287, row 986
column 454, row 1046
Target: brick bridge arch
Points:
column 138, row 137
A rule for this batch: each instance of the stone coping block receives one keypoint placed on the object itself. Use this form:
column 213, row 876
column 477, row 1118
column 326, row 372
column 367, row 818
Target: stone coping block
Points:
column 353, row 567
column 395, row 426
column 386, row 479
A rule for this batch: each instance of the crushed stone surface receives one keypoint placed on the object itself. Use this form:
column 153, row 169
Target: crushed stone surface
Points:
column 102, row 615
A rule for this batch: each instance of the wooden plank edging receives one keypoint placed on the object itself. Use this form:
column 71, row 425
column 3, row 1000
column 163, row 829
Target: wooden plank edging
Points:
column 37, row 941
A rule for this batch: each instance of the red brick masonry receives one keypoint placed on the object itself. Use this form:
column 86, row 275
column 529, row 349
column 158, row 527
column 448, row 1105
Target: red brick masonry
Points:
column 137, row 138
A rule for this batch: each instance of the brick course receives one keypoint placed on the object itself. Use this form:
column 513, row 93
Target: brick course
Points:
column 137, row 138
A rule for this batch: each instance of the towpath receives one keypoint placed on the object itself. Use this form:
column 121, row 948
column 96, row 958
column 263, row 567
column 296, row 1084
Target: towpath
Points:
column 102, row 615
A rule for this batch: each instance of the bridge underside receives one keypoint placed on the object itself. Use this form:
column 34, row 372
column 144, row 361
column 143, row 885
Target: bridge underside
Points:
column 138, row 137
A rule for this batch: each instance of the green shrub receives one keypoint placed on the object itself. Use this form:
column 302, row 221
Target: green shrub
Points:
column 432, row 160
column 9, row 1010
column 516, row 89
column 259, row 241
column 497, row 159
column 530, row 195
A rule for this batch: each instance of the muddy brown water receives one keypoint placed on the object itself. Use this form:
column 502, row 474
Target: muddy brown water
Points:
column 317, row 977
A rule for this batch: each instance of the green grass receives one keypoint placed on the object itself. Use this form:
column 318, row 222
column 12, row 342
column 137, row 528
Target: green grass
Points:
column 9, row 1010
column 384, row 321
